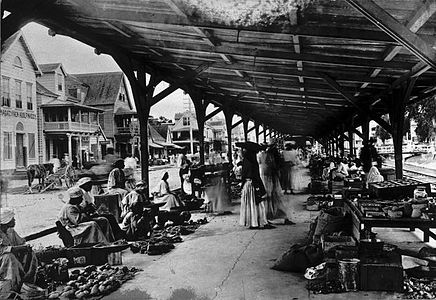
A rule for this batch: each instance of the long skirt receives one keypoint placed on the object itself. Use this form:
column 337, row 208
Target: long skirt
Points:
column 252, row 214
column 87, row 232
column 216, row 196
column 275, row 206
column 296, row 178
column 18, row 269
column 170, row 201
column 287, row 176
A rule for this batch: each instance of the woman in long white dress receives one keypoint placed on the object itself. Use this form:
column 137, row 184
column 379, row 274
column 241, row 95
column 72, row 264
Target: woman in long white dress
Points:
column 253, row 211
column 269, row 173
column 163, row 194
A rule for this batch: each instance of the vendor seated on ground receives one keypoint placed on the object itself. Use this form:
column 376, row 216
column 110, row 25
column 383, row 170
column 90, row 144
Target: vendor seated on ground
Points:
column 374, row 175
column 340, row 171
column 88, row 207
column 18, row 263
column 137, row 195
column 162, row 194
column 137, row 223
column 116, row 182
column 83, row 228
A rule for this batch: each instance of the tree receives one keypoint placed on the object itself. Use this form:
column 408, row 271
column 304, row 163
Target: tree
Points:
column 382, row 134
column 424, row 113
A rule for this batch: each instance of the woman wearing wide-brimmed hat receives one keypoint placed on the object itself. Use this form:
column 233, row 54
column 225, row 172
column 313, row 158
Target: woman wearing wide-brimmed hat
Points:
column 253, row 212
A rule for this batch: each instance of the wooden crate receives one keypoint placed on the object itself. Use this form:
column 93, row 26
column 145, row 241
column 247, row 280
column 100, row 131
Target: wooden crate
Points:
column 392, row 189
column 337, row 186
column 328, row 242
column 353, row 183
column 384, row 273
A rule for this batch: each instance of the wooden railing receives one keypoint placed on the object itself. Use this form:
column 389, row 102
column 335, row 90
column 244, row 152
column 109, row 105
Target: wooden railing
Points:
column 70, row 126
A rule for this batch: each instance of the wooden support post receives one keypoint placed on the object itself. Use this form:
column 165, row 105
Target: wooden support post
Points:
column 351, row 142
column 245, row 125
column 228, row 115
column 397, row 108
column 365, row 129
column 200, row 111
column 256, row 129
column 143, row 96
column 264, row 134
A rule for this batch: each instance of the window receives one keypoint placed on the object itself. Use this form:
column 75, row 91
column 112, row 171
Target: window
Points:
column 93, row 118
column 17, row 62
column 31, row 139
column 60, row 82
column 85, row 117
column 7, row 145
column 6, row 97
column 186, row 121
column 29, row 96
column 72, row 92
column 18, row 100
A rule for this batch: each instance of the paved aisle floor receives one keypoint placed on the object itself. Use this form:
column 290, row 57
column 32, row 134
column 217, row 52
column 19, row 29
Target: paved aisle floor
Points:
column 222, row 260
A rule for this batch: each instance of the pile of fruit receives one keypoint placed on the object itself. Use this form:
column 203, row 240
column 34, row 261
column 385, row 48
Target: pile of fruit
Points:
column 163, row 240
column 93, row 282
column 415, row 288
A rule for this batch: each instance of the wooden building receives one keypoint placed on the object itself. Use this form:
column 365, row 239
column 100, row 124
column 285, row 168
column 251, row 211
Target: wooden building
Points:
column 107, row 91
column 18, row 118
column 70, row 129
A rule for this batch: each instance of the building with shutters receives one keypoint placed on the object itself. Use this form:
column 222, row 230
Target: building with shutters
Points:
column 18, row 115
column 108, row 92
column 70, row 129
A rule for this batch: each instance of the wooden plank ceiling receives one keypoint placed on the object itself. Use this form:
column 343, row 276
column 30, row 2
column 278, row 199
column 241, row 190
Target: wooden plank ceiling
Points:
column 302, row 71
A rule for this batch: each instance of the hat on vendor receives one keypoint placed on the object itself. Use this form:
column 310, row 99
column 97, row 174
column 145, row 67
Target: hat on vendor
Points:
column 6, row 215
column 119, row 163
column 83, row 181
column 75, row 192
column 250, row 146
column 141, row 184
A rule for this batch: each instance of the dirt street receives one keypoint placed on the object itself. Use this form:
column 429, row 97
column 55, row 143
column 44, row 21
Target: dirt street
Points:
column 35, row 212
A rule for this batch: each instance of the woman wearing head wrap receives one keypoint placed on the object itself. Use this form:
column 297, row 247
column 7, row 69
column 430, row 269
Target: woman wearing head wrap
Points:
column 136, row 223
column 163, row 195
column 374, row 175
column 87, row 207
column 253, row 212
column 137, row 195
column 80, row 225
column 290, row 167
column 18, row 263
column 116, row 182
column 269, row 173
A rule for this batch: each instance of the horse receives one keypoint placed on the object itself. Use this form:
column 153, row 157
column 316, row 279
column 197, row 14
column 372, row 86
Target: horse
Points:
column 40, row 171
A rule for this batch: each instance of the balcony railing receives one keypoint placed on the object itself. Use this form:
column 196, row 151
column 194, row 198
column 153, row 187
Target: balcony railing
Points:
column 131, row 131
column 70, row 126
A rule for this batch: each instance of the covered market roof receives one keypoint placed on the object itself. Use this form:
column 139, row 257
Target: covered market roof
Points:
column 302, row 67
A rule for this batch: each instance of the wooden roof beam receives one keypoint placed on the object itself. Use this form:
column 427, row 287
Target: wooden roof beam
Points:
column 350, row 98
column 214, row 113
column 206, row 35
column 237, row 124
column 176, row 85
column 409, row 40
column 177, row 48
column 419, row 18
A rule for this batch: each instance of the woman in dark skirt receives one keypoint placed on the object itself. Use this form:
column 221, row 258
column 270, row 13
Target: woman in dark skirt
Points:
column 253, row 212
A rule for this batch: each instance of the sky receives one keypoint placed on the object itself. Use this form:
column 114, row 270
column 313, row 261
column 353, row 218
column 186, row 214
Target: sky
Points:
column 77, row 57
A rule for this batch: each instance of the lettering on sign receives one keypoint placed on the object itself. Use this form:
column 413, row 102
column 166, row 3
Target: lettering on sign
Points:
column 17, row 114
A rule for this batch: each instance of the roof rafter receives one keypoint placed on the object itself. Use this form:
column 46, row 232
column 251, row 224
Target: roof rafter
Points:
column 411, row 41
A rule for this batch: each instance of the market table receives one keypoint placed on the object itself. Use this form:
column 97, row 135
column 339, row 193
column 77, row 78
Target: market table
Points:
column 362, row 223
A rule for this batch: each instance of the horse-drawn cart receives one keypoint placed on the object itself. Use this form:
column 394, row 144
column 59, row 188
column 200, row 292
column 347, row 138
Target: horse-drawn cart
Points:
column 47, row 179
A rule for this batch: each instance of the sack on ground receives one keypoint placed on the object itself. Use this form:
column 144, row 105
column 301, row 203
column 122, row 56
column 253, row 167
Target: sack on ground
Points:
column 298, row 258
column 329, row 221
